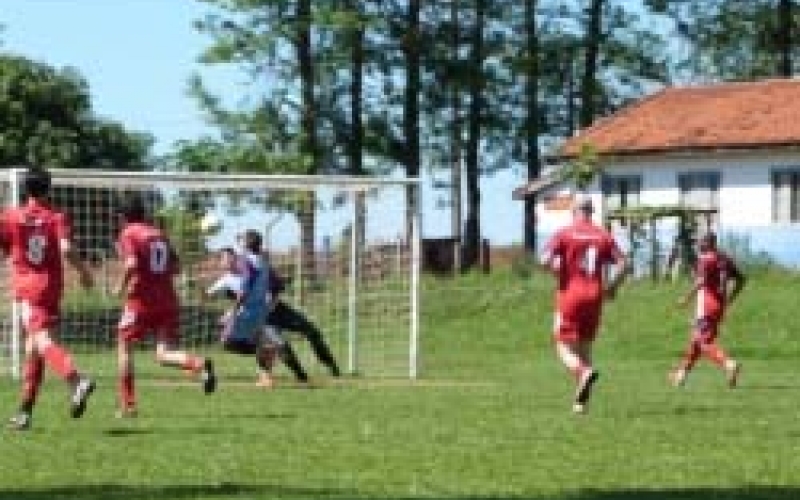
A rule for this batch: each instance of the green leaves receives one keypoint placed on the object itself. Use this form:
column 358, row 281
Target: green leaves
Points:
column 212, row 155
column 735, row 39
column 46, row 119
column 584, row 168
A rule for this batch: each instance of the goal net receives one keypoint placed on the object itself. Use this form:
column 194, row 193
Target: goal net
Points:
column 348, row 246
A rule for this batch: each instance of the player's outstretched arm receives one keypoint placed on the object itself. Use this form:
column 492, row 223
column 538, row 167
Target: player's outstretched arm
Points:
column 739, row 281
column 74, row 260
column 624, row 269
column 684, row 301
column 549, row 262
column 128, row 271
column 228, row 285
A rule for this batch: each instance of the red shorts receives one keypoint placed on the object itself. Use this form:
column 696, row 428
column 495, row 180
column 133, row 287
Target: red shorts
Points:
column 706, row 329
column 38, row 317
column 137, row 323
column 709, row 316
column 577, row 323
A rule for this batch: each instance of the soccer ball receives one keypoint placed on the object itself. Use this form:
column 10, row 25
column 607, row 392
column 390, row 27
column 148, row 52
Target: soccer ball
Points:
column 210, row 224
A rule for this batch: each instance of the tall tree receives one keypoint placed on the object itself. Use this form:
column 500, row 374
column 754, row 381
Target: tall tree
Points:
column 411, row 50
column 532, row 118
column 273, row 40
column 735, row 39
column 785, row 38
column 46, row 119
column 309, row 142
column 356, row 38
column 591, row 54
column 475, row 120
column 595, row 56
column 456, row 133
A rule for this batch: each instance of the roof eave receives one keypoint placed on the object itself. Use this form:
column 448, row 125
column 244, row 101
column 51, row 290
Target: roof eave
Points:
column 680, row 152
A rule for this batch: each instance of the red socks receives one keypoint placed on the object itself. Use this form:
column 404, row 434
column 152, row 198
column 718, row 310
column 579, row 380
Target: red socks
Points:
column 32, row 377
column 715, row 354
column 711, row 350
column 126, row 390
column 193, row 363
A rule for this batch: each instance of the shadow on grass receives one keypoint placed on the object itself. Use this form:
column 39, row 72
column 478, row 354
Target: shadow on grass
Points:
column 152, row 492
column 238, row 491
column 125, row 432
column 733, row 493
column 228, row 415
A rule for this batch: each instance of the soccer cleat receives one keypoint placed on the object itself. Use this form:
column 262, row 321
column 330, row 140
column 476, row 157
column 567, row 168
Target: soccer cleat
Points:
column 579, row 408
column 677, row 377
column 208, row 378
column 80, row 396
column 20, row 422
column 588, row 379
column 732, row 370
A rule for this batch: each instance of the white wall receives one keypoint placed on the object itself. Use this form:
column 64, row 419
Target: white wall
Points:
column 745, row 191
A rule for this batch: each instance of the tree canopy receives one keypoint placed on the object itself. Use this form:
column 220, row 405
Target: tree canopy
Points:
column 46, row 119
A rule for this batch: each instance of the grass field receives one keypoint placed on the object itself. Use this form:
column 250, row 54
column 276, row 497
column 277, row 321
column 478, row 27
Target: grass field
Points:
column 489, row 419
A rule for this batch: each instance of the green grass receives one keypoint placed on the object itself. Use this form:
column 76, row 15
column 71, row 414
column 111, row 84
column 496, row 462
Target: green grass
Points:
column 489, row 419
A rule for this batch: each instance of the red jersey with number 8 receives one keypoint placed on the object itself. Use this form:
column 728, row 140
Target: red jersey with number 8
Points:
column 149, row 251
column 31, row 235
column 581, row 250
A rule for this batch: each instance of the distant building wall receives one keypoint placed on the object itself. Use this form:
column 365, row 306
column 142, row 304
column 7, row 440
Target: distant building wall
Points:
column 745, row 198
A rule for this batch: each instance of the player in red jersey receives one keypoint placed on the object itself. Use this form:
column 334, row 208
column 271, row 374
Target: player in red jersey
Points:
column 37, row 237
column 151, row 303
column 713, row 275
column 578, row 255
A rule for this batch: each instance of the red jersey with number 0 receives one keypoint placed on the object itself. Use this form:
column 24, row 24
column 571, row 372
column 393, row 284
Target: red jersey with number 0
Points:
column 154, row 265
column 31, row 235
column 713, row 270
column 581, row 250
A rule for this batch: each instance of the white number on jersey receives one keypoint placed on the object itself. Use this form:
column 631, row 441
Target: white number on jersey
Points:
column 159, row 256
column 35, row 249
column 589, row 261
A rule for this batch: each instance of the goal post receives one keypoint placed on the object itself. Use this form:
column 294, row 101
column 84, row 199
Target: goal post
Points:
column 349, row 245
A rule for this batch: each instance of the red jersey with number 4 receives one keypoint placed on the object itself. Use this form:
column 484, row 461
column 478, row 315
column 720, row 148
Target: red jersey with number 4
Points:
column 148, row 249
column 580, row 251
column 31, row 235
column 713, row 270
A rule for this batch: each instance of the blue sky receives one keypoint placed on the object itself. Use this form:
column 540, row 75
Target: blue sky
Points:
column 137, row 56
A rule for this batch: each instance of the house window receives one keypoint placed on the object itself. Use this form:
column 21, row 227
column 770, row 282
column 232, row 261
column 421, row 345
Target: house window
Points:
column 621, row 191
column 699, row 189
column 785, row 196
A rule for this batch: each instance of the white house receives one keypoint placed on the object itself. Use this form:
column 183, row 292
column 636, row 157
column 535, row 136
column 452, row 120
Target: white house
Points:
column 732, row 147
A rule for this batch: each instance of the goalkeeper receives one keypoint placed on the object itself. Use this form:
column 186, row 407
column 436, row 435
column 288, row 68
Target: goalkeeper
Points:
column 245, row 280
column 285, row 317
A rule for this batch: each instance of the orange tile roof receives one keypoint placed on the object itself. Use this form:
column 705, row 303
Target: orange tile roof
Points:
column 724, row 116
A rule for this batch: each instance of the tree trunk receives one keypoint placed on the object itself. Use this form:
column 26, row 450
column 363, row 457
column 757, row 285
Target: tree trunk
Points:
column 531, row 121
column 455, row 138
column 309, row 141
column 411, row 49
column 472, row 226
column 356, row 143
column 592, row 41
column 785, row 38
